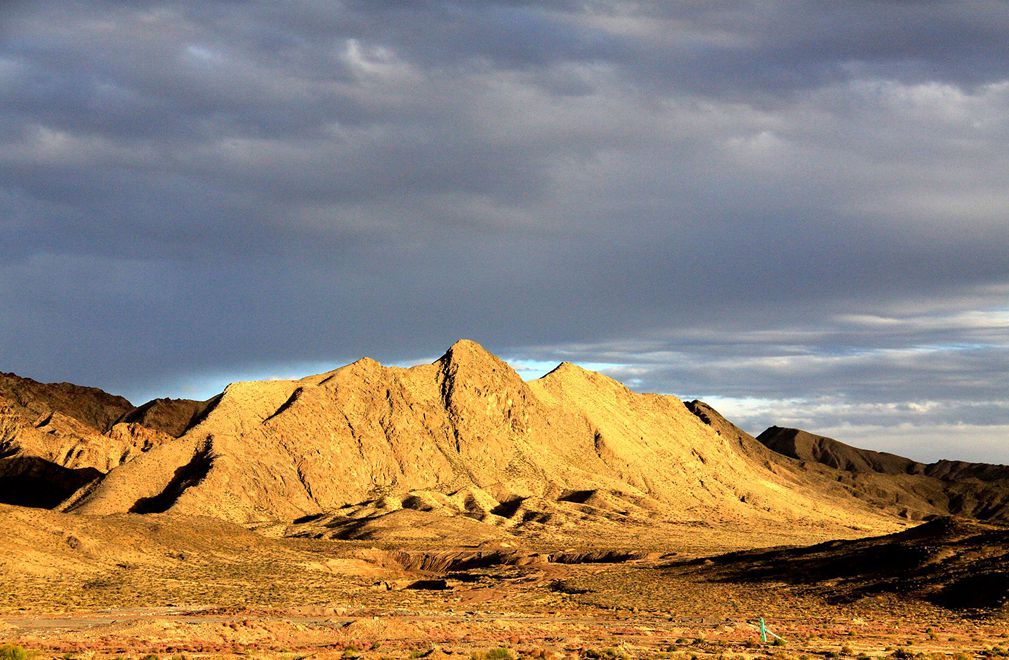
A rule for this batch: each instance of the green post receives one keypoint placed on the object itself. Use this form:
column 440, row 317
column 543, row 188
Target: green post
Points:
column 763, row 631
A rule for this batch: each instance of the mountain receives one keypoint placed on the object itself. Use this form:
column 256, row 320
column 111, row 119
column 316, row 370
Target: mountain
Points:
column 809, row 447
column 171, row 416
column 89, row 406
column 51, row 440
column 490, row 505
column 56, row 438
column 917, row 490
column 464, row 442
column 462, row 447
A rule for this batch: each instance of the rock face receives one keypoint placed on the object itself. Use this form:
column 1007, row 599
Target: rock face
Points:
column 909, row 488
column 462, row 438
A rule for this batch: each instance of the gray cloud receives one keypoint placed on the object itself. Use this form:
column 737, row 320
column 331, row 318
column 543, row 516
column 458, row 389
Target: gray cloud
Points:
column 884, row 381
column 701, row 193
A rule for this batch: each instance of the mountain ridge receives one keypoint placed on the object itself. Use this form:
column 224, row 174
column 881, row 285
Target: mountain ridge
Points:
column 463, row 436
column 56, row 438
column 923, row 490
column 465, row 446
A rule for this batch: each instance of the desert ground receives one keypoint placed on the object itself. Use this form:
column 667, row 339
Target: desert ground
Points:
column 197, row 588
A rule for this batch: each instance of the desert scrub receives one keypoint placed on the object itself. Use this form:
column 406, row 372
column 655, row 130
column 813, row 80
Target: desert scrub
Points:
column 495, row 654
column 606, row 654
column 8, row 652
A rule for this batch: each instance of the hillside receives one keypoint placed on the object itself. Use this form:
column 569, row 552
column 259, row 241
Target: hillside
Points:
column 59, row 423
column 57, row 437
column 171, row 416
column 90, row 406
column 464, row 441
column 957, row 564
column 917, row 490
column 809, row 447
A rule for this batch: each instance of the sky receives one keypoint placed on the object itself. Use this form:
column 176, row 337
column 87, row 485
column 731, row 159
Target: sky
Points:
column 797, row 211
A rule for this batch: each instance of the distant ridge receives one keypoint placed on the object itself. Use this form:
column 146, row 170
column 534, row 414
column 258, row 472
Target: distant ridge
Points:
column 88, row 405
column 56, row 438
column 921, row 490
column 171, row 416
column 832, row 453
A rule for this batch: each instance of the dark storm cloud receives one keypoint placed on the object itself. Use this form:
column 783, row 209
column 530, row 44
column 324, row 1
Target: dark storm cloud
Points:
column 793, row 206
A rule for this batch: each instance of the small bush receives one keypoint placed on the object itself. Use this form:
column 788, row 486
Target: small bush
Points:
column 606, row 654
column 495, row 654
column 8, row 652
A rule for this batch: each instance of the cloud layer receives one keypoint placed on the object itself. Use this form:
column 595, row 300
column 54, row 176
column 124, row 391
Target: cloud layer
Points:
column 797, row 206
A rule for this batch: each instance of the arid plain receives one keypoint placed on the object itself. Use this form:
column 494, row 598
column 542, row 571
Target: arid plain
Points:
column 455, row 510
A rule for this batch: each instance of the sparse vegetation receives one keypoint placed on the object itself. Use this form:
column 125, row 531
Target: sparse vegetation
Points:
column 606, row 654
column 500, row 653
column 9, row 652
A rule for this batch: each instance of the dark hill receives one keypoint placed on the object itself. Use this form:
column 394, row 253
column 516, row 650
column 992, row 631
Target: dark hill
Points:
column 90, row 405
column 57, row 437
column 954, row 563
column 171, row 416
column 832, row 453
column 918, row 490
